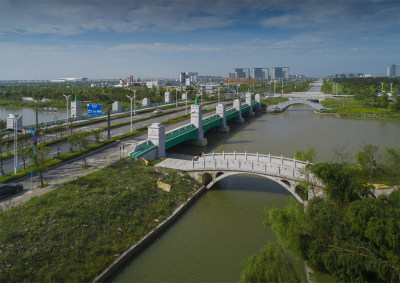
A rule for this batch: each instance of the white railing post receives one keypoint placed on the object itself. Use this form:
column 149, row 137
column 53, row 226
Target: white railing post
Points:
column 258, row 159
column 239, row 163
column 281, row 159
column 293, row 172
column 204, row 163
column 251, row 165
column 269, row 157
column 294, row 162
column 192, row 164
column 234, row 154
column 223, row 154
column 245, row 155
column 279, row 170
column 265, row 167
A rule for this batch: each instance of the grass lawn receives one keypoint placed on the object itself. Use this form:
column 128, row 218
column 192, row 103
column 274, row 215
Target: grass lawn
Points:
column 74, row 232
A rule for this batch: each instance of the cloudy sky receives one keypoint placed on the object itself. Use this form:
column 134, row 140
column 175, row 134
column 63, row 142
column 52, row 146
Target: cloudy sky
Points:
column 48, row 39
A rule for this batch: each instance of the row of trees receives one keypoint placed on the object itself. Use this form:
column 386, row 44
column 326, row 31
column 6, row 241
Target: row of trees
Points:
column 366, row 89
column 351, row 234
column 37, row 158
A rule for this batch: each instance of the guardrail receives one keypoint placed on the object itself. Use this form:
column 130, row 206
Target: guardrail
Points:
column 179, row 131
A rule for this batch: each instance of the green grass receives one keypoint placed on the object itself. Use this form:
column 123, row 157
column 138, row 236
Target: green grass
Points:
column 349, row 107
column 74, row 232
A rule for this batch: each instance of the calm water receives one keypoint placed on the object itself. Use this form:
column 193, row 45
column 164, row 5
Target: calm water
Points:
column 209, row 242
column 29, row 114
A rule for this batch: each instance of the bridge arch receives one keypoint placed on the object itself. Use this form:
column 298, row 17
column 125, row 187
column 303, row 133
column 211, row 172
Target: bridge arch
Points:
column 284, row 105
column 284, row 183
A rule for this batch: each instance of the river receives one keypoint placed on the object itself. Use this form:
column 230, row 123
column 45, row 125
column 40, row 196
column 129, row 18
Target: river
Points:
column 209, row 242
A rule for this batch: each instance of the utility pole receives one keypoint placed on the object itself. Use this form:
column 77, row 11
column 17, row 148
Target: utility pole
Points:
column 131, row 110
column 67, row 97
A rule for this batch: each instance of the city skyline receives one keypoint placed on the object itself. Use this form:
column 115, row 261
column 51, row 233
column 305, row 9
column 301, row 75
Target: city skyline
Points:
column 111, row 39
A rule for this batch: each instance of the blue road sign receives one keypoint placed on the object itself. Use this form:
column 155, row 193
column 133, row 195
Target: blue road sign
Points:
column 34, row 138
column 95, row 109
column 31, row 132
column 31, row 173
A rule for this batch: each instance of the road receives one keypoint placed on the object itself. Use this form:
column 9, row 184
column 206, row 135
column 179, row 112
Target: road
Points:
column 71, row 170
column 8, row 164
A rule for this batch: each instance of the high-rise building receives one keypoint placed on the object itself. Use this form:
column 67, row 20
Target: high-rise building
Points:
column 182, row 78
column 280, row 72
column 242, row 73
column 260, row 73
column 394, row 70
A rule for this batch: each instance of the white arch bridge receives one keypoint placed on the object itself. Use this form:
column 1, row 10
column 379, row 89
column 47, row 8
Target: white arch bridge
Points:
column 284, row 105
column 213, row 167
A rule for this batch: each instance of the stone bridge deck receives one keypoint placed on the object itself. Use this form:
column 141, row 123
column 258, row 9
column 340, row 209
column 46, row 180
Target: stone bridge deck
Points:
column 212, row 167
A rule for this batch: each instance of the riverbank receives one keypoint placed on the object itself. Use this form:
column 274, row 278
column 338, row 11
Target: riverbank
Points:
column 351, row 108
column 75, row 232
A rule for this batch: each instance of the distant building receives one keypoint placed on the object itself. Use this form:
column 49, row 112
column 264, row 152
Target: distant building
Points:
column 232, row 75
column 242, row 73
column 259, row 73
column 349, row 75
column 182, row 78
column 188, row 75
column 393, row 70
column 280, row 73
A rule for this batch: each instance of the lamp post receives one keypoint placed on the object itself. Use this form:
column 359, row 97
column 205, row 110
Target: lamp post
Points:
column 391, row 88
column 186, row 102
column 218, row 94
column 67, row 97
column 134, row 101
column 176, row 97
column 15, row 124
column 131, row 110
column 382, row 87
column 282, row 87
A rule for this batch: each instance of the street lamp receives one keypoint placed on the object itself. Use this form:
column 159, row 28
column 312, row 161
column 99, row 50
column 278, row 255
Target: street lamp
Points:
column 15, row 124
column 282, row 87
column 186, row 102
column 382, row 87
column 391, row 88
column 131, row 110
column 218, row 94
column 67, row 97
column 134, row 101
column 176, row 97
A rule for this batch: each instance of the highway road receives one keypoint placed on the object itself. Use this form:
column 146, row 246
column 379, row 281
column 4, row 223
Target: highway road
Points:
column 8, row 164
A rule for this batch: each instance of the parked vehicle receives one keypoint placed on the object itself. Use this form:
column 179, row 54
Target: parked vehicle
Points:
column 157, row 111
column 10, row 189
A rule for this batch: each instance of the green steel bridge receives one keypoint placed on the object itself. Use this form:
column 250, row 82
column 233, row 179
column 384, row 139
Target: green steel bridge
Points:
column 190, row 132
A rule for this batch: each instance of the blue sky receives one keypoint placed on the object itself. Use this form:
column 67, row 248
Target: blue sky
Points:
column 49, row 39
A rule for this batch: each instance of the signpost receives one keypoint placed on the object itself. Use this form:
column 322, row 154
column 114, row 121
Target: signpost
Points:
column 95, row 109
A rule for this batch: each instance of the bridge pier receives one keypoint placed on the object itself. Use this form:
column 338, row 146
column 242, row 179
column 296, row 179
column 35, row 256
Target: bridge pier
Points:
column 167, row 97
column 221, row 111
column 146, row 102
column 76, row 109
column 248, row 102
column 258, row 99
column 196, row 118
column 237, row 105
column 156, row 134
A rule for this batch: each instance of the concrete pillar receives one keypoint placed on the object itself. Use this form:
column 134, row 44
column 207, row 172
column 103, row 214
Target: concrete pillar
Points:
column 76, row 110
column 117, row 107
column 237, row 105
column 258, row 99
column 156, row 134
column 167, row 97
column 248, row 102
column 146, row 102
column 221, row 112
column 196, row 117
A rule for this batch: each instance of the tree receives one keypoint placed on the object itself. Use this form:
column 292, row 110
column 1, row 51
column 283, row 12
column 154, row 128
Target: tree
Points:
column 39, row 157
column 308, row 155
column 367, row 158
column 97, row 134
column 80, row 141
column 392, row 160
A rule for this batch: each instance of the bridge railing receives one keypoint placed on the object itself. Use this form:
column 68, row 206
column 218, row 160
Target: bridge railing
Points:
column 178, row 131
column 250, row 162
column 268, row 158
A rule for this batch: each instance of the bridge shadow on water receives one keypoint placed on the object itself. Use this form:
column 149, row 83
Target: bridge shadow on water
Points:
column 250, row 183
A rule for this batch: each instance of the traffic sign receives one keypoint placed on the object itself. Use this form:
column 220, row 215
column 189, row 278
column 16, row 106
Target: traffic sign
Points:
column 34, row 138
column 31, row 132
column 31, row 173
column 95, row 109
